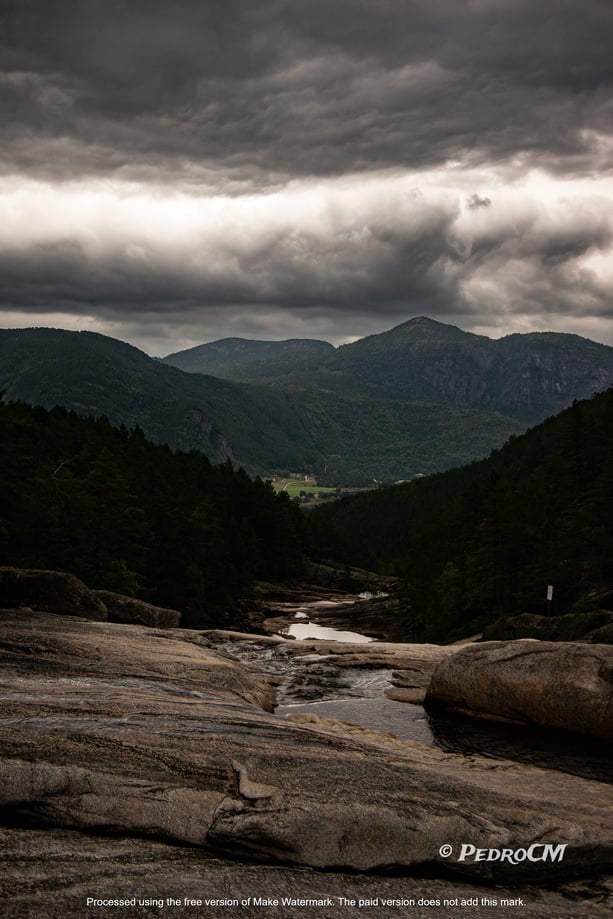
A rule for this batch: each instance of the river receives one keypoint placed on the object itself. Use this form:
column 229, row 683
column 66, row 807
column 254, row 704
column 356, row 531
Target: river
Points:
column 314, row 683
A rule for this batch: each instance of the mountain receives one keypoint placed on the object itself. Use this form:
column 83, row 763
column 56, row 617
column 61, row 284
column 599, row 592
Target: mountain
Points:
column 483, row 542
column 527, row 376
column 522, row 376
column 420, row 398
column 425, row 396
column 535, row 373
column 240, row 358
column 96, row 375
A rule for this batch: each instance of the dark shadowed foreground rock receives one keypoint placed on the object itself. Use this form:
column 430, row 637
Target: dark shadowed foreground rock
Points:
column 51, row 874
column 565, row 686
column 51, row 591
column 138, row 612
column 595, row 626
column 148, row 733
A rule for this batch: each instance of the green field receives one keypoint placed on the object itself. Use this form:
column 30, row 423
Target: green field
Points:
column 295, row 490
column 294, row 485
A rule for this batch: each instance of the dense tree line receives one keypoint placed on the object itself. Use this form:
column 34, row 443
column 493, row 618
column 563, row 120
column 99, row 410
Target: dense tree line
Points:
column 123, row 514
column 484, row 541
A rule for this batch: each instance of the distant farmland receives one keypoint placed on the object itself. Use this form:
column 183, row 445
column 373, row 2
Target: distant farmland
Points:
column 295, row 486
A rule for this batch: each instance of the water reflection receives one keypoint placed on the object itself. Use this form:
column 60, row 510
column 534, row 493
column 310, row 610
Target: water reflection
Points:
column 315, row 683
column 312, row 631
column 565, row 752
column 403, row 720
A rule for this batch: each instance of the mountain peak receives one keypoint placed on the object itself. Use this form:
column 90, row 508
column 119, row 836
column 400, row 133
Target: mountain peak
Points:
column 424, row 321
column 419, row 331
column 423, row 325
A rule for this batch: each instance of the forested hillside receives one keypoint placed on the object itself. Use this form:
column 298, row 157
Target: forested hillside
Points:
column 96, row 375
column 484, row 541
column 420, row 398
column 241, row 358
column 126, row 515
column 522, row 377
column 526, row 377
column 332, row 429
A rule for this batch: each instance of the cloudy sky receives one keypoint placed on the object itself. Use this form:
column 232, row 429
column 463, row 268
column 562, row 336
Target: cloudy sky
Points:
column 176, row 172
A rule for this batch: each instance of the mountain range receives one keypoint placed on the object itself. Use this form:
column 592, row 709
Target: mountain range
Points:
column 239, row 358
column 422, row 397
column 525, row 376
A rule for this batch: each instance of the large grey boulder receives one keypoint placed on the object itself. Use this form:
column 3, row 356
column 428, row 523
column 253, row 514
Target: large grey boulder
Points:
column 51, row 591
column 562, row 685
column 138, row 612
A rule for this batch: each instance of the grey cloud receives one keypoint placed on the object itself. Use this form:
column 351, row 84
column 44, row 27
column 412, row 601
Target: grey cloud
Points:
column 229, row 97
column 475, row 201
column 297, row 273
column 274, row 89
column 381, row 252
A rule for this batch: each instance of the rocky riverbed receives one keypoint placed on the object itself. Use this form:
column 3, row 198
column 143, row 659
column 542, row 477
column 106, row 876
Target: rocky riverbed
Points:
column 145, row 764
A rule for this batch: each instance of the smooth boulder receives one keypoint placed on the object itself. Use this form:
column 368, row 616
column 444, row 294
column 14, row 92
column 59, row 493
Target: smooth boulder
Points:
column 565, row 686
column 51, row 592
column 129, row 610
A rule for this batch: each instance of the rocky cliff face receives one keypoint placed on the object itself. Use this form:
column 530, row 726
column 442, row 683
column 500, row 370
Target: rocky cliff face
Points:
column 537, row 372
column 526, row 376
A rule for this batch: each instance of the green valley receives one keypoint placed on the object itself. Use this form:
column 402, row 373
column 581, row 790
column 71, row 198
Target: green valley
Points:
column 419, row 399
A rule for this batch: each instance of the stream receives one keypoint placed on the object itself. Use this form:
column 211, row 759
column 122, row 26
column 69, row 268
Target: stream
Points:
column 313, row 683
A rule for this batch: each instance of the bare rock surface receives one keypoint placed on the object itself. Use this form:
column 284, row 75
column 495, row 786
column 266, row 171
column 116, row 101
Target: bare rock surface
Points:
column 50, row 874
column 50, row 591
column 151, row 734
column 345, row 577
column 412, row 665
column 421, row 658
column 130, row 610
column 378, row 615
column 417, row 658
column 594, row 626
column 561, row 685
column 373, row 612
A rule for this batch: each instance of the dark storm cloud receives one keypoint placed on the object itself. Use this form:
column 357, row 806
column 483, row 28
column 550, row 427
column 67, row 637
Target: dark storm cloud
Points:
column 261, row 91
column 280, row 166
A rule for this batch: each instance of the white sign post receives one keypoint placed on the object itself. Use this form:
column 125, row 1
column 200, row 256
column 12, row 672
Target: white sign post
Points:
column 549, row 598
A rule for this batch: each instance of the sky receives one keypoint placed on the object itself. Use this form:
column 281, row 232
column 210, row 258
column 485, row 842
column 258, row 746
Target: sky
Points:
column 173, row 173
